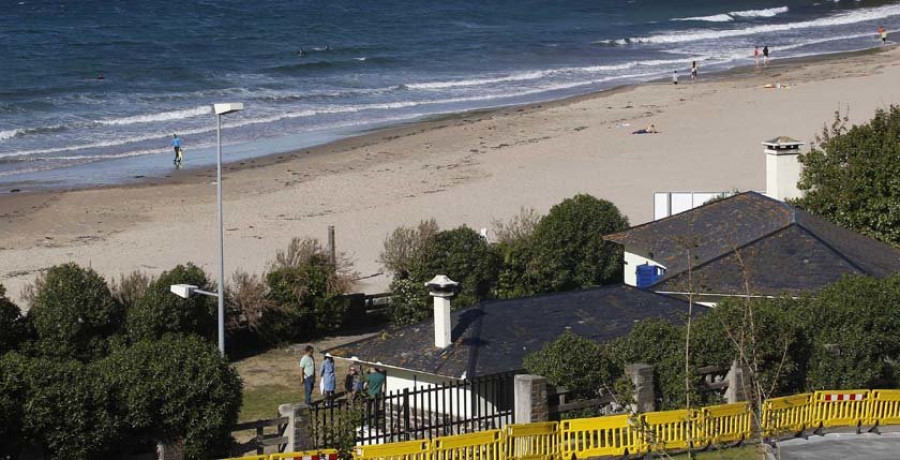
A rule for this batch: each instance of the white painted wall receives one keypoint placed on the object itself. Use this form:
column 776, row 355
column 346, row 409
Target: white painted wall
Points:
column 632, row 260
column 782, row 174
column 461, row 406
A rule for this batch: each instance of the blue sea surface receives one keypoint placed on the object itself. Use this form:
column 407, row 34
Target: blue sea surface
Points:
column 364, row 64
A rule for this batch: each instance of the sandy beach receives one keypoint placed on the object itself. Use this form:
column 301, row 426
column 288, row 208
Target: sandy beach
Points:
column 467, row 169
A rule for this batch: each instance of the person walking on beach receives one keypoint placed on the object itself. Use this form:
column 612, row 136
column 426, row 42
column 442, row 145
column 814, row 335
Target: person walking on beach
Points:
column 328, row 378
column 766, row 56
column 675, row 78
column 693, row 70
column 176, row 144
column 883, row 34
column 308, row 374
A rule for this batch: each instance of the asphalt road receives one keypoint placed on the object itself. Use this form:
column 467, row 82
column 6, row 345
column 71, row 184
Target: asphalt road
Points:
column 840, row 446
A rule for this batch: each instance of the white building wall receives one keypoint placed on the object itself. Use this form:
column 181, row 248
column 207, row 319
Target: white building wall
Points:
column 632, row 260
column 460, row 404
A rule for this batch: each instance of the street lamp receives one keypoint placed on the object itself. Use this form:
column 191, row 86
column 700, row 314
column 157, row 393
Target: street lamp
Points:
column 185, row 290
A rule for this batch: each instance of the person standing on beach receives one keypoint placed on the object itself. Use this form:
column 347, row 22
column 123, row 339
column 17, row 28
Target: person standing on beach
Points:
column 693, row 70
column 766, row 55
column 882, row 32
column 756, row 56
column 675, row 78
column 308, row 374
column 176, row 144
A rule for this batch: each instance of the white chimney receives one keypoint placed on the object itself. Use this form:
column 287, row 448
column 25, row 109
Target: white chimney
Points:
column 442, row 288
column 782, row 168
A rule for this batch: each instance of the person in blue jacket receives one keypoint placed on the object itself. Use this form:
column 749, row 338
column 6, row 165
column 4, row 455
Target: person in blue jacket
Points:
column 176, row 144
column 328, row 378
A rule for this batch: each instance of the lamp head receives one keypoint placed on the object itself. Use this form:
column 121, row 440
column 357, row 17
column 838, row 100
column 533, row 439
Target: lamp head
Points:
column 222, row 109
column 183, row 290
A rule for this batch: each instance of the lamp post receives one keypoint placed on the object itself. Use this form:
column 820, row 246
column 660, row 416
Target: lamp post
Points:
column 222, row 109
column 186, row 290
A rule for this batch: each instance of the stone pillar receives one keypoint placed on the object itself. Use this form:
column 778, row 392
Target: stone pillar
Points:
column 642, row 379
column 530, row 392
column 737, row 386
column 294, row 430
column 170, row 451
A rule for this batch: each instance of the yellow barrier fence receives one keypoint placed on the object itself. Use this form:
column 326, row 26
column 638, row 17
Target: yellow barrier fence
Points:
column 409, row 450
column 532, row 441
column 884, row 407
column 723, row 423
column 598, row 436
column 669, row 430
column 840, row 408
column 791, row 414
column 618, row 435
column 323, row 454
column 485, row 445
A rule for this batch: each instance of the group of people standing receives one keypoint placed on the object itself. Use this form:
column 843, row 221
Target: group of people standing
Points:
column 355, row 383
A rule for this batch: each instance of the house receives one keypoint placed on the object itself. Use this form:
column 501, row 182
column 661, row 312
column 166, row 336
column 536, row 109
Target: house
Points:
column 493, row 338
column 775, row 248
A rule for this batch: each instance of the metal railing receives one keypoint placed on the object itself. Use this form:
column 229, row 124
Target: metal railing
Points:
column 620, row 435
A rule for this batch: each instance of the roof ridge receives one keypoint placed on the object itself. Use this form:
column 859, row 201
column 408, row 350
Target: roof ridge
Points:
column 681, row 214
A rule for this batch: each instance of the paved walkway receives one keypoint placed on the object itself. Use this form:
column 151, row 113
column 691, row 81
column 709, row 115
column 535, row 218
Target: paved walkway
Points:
column 840, row 446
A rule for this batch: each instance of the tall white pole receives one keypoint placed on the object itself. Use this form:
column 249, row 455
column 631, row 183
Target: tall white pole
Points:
column 221, row 236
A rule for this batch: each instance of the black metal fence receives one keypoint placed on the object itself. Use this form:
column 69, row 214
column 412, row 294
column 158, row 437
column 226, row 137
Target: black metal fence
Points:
column 420, row 413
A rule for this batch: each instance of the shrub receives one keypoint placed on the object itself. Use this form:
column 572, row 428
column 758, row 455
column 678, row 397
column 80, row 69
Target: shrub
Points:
column 176, row 388
column 409, row 302
column 582, row 365
column 67, row 407
column 567, row 248
column 159, row 311
column 74, row 313
column 518, row 229
column 12, row 404
column 308, row 289
column 129, row 288
column 247, row 301
column 853, row 328
column 403, row 248
column 12, row 324
column 465, row 257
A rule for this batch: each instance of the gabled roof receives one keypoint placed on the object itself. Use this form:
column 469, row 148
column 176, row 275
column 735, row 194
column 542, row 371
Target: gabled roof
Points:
column 494, row 337
column 784, row 250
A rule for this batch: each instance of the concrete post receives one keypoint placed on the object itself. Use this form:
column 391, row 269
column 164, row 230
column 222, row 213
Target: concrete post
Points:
column 737, row 386
column 530, row 394
column 642, row 379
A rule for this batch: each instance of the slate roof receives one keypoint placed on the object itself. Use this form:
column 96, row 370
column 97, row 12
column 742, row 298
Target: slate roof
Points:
column 785, row 250
column 494, row 337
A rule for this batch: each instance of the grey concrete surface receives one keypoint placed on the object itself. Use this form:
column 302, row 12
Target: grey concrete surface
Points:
column 840, row 446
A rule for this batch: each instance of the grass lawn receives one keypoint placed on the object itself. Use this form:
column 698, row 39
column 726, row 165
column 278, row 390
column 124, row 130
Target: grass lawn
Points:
column 272, row 378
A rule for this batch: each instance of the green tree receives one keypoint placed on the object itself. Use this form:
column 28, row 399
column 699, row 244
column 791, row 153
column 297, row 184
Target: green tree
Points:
column 12, row 324
column 158, row 311
column 73, row 313
column 465, row 257
column 582, row 365
column 852, row 176
column 568, row 250
column 176, row 388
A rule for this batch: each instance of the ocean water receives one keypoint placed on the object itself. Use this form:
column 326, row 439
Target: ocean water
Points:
column 365, row 64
